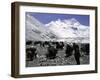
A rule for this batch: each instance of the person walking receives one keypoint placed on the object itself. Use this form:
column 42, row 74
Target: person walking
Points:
column 76, row 53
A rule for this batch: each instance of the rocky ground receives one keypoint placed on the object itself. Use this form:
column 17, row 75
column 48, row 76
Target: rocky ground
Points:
column 58, row 61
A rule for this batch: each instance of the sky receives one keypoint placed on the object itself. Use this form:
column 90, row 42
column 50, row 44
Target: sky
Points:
column 45, row 18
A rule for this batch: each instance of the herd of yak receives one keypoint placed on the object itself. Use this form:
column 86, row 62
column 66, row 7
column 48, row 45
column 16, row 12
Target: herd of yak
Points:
column 53, row 48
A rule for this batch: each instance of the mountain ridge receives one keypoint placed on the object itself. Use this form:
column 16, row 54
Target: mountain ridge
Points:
column 58, row 30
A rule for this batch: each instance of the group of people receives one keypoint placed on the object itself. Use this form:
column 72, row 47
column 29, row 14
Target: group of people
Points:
column 52, row 49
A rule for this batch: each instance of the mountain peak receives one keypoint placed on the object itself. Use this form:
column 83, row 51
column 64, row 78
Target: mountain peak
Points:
column 68, row 28
column 60, row 30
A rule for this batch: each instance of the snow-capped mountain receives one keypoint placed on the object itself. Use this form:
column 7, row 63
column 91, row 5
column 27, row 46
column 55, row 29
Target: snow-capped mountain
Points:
column 69, row 28
column 35, row 30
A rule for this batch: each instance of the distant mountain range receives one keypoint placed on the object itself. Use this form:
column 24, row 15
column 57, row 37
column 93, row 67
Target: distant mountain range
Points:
column 69, row 30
